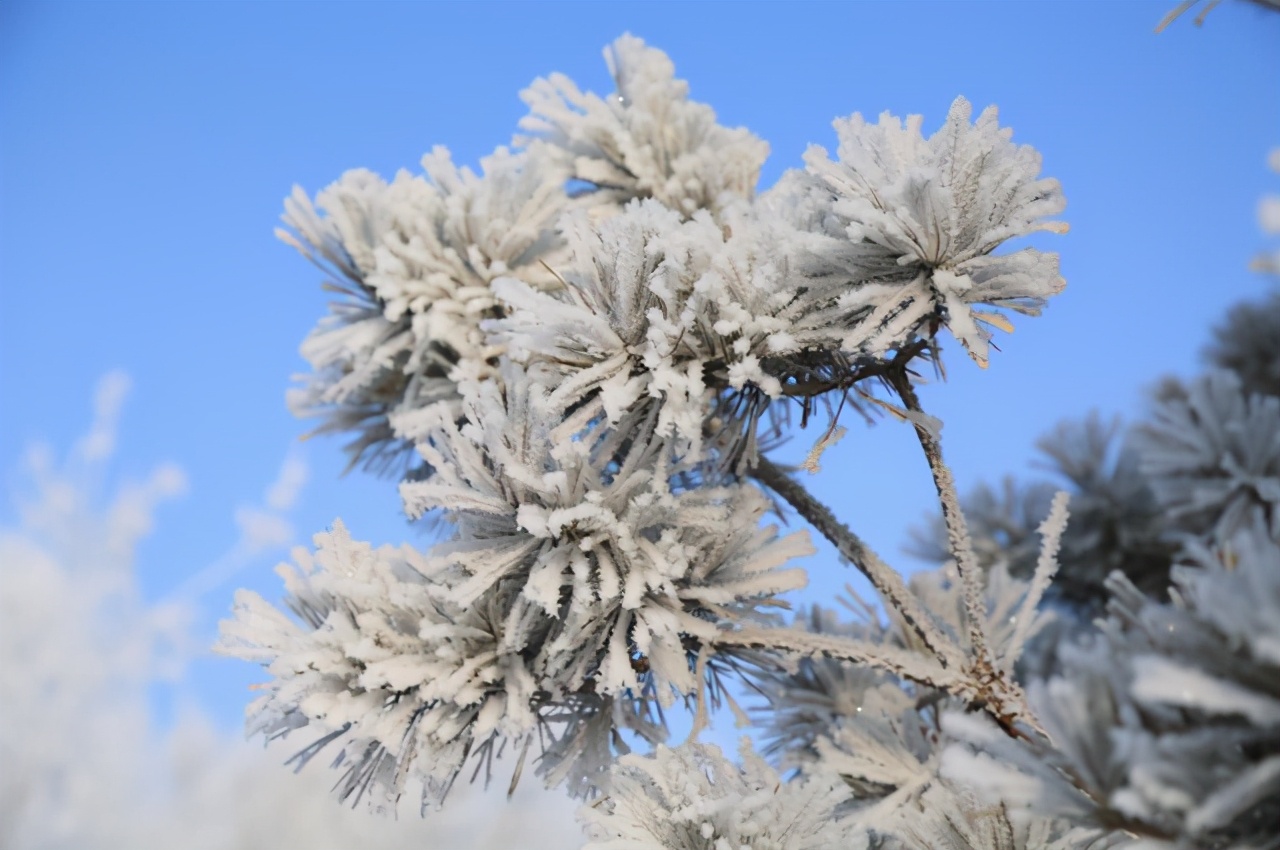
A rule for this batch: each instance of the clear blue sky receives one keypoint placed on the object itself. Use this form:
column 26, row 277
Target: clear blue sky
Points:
column 145, row 150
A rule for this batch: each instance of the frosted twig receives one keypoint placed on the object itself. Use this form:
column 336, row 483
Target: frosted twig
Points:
column 1183, row 7
column 958, row 538
column 1051, row 531
column 883, row 577
column 904, row 663
column 832, row 436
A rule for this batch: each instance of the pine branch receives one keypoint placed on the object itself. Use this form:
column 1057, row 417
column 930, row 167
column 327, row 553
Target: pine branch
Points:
column 904, row 663
column 959, row 540
column 884, row 578
column 980, row 684
column 1051, row 531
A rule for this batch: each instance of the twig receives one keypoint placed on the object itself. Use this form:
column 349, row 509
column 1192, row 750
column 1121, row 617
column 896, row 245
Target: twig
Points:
column 904, row 663
column 883, row 578
column 958, row 539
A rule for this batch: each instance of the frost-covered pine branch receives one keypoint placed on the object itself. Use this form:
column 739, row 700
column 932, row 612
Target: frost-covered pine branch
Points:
column 585, row 374
column 1167, row 723
column 412, row 261
column 645, row 140
column 693, row 798
column 580, row 359
column 1116, row 521
column 928, row 215
column 567, row 588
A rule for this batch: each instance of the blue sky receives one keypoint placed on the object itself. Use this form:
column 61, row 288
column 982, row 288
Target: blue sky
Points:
column 145, row 150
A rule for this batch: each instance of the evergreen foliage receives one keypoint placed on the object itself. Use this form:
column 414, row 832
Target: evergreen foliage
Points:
column 579, row 360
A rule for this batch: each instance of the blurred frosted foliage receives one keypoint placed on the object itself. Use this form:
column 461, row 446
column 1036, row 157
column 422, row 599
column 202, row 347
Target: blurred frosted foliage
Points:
column 946, row 817
column 1269, row 220
column 1247, row 342
column 929, row 214
column 81, row 764
column 1212, row 454
column 1169, row 720
column 411, row 261
column 1116, row 521
column 569, row 586
column 883, row 738
column 693, row 798
column 645, row 140
column 804, row 701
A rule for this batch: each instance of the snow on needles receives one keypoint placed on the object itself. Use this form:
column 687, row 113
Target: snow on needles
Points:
column 647, row 140
column 566, row 581
column 568, row 357
column 597, row 559
column 413, row 260
column 693, row 798
column 382, row 660
column 669, row 315
column 936, row 208
column 1168, row 723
